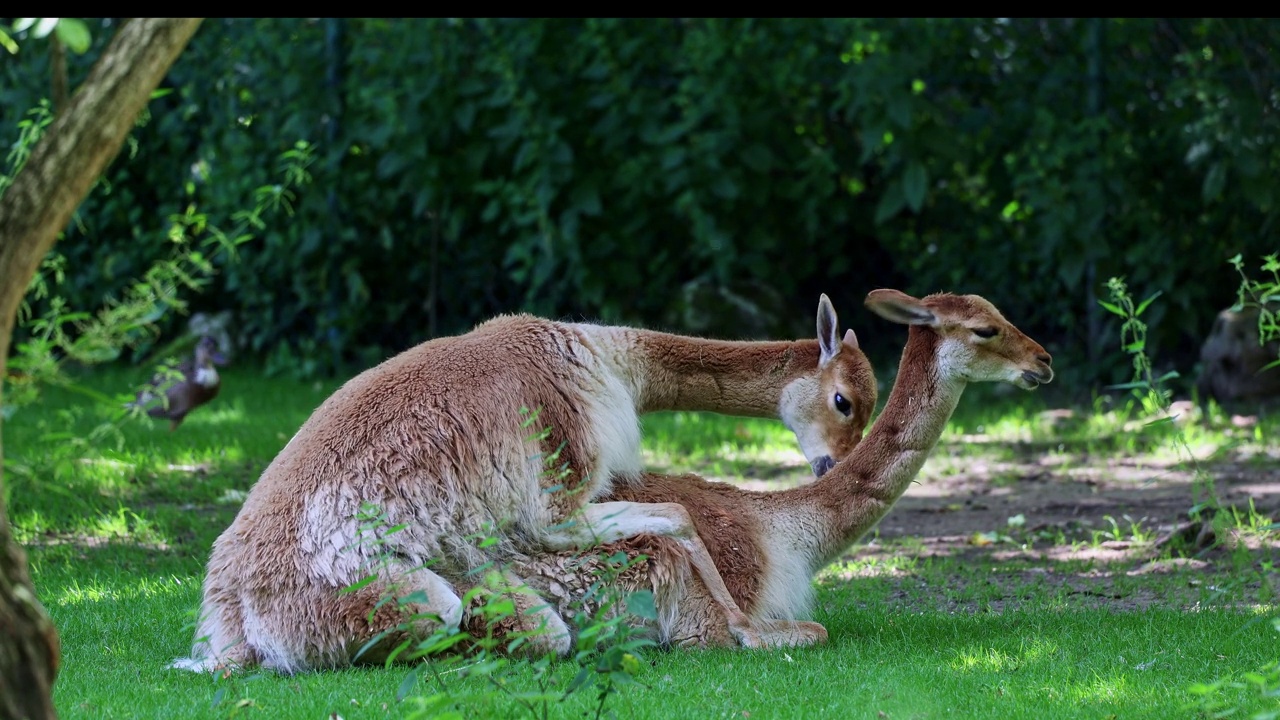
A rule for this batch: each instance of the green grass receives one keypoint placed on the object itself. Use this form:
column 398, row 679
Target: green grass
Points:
column 1027, row 625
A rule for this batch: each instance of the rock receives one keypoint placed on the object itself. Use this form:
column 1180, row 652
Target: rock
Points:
column 1231, row 359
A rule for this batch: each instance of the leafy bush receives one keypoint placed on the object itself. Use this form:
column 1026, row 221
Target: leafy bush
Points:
column 600, row 168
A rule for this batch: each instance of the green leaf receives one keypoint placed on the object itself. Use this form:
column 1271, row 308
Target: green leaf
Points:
column 578, row 681
column 915, row 182
column 1195, row 509
column 586, row 198
column 407, row 684
column 372, row 641
column 1145, row 303
column 1214, row 181
column 1160, row 421
column 23, row 23
column 723, row 187
column 465, row 115
column 641, row 603
column 90, row 392
column 357, row 584
column 672, row 157
column 1128, row 385
column 1071, row 269
column 74, row 34
column 395, row 653
column 44, row 26
column 8, row 43
column 758, row 157
column 891, row 202
column 1113, row 308
column 899, row 107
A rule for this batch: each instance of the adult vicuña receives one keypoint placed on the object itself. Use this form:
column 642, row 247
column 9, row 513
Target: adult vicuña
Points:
column 434, row 438
column 768, row 545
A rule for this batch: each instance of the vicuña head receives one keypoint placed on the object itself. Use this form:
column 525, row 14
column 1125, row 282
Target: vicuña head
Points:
column 823, row 390
column 978, row 343
column 828, row 411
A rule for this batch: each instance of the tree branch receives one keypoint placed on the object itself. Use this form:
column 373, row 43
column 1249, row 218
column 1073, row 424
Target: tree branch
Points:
column 74, row 151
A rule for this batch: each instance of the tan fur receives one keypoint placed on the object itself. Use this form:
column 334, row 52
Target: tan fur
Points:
column 749, row 533
column 440, row 440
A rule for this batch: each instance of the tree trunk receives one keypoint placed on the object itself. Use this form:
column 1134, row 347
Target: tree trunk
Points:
column 74, row 151
column 58, row 66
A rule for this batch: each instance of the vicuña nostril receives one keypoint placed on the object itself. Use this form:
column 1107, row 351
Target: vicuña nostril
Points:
column 822, row 465
column 1045, row 358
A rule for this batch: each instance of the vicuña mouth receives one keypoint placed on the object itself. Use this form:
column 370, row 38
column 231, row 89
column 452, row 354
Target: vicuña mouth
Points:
column 1034, row 380
column 821, row 465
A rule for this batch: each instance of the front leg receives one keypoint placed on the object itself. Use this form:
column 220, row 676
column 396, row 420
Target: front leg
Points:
column 601, row 523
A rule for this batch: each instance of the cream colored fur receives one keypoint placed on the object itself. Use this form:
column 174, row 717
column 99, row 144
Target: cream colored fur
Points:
column 514, row 431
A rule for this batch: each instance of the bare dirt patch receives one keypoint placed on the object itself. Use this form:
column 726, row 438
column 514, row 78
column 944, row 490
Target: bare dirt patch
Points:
column 981, row 496
column 1062, row 548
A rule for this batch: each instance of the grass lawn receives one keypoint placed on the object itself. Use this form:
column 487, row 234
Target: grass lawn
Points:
column 1022, row 577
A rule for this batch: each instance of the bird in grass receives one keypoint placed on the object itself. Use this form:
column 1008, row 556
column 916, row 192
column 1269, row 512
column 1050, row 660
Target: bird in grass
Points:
column 194, row 382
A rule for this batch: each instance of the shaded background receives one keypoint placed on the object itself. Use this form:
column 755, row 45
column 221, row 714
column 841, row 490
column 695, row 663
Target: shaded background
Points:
column 704, row 176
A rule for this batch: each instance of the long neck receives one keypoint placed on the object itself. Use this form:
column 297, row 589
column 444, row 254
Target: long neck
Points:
column 675, row 372
column 857, row 492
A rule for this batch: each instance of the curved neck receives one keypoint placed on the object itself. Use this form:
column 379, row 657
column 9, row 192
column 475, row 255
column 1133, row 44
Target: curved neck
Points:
column 857, row 492
column 677, row 372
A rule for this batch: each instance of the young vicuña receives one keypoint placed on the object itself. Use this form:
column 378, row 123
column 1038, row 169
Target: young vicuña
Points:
column 768, row 545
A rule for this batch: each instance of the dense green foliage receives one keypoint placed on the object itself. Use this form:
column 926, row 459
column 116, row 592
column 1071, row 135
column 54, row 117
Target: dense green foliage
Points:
column 669, row 171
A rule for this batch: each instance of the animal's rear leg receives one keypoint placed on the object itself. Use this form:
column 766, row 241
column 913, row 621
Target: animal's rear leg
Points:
column 402, row 605
column 219, row 640
column 527, row 615
column 697, row 620
column 606, row 522
column 791, row 633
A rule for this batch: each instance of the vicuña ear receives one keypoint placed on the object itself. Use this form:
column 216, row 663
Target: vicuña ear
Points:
column 899, row 307
column 850, row 339
column 827, row 338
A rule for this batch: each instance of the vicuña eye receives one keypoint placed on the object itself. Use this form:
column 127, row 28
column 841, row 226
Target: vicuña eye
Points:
column 986, row 332
column 843, row 405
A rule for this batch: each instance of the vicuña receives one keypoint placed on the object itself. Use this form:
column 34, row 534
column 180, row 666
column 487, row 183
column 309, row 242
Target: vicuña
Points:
column 516, row 429
column 768, row 545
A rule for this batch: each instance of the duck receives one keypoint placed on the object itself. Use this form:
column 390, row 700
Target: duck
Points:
column 197, row 383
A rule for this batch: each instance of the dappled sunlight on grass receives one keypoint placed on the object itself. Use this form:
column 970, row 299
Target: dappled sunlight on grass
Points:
column 91, row 530
column 683, row 432
column 207, row 458
column 118, row 588
column 868, row 566
column 1114, row 688
column 220, row 415
column 720, row 447
column 990, row 659
column 985, row 659
column 1111, row 424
